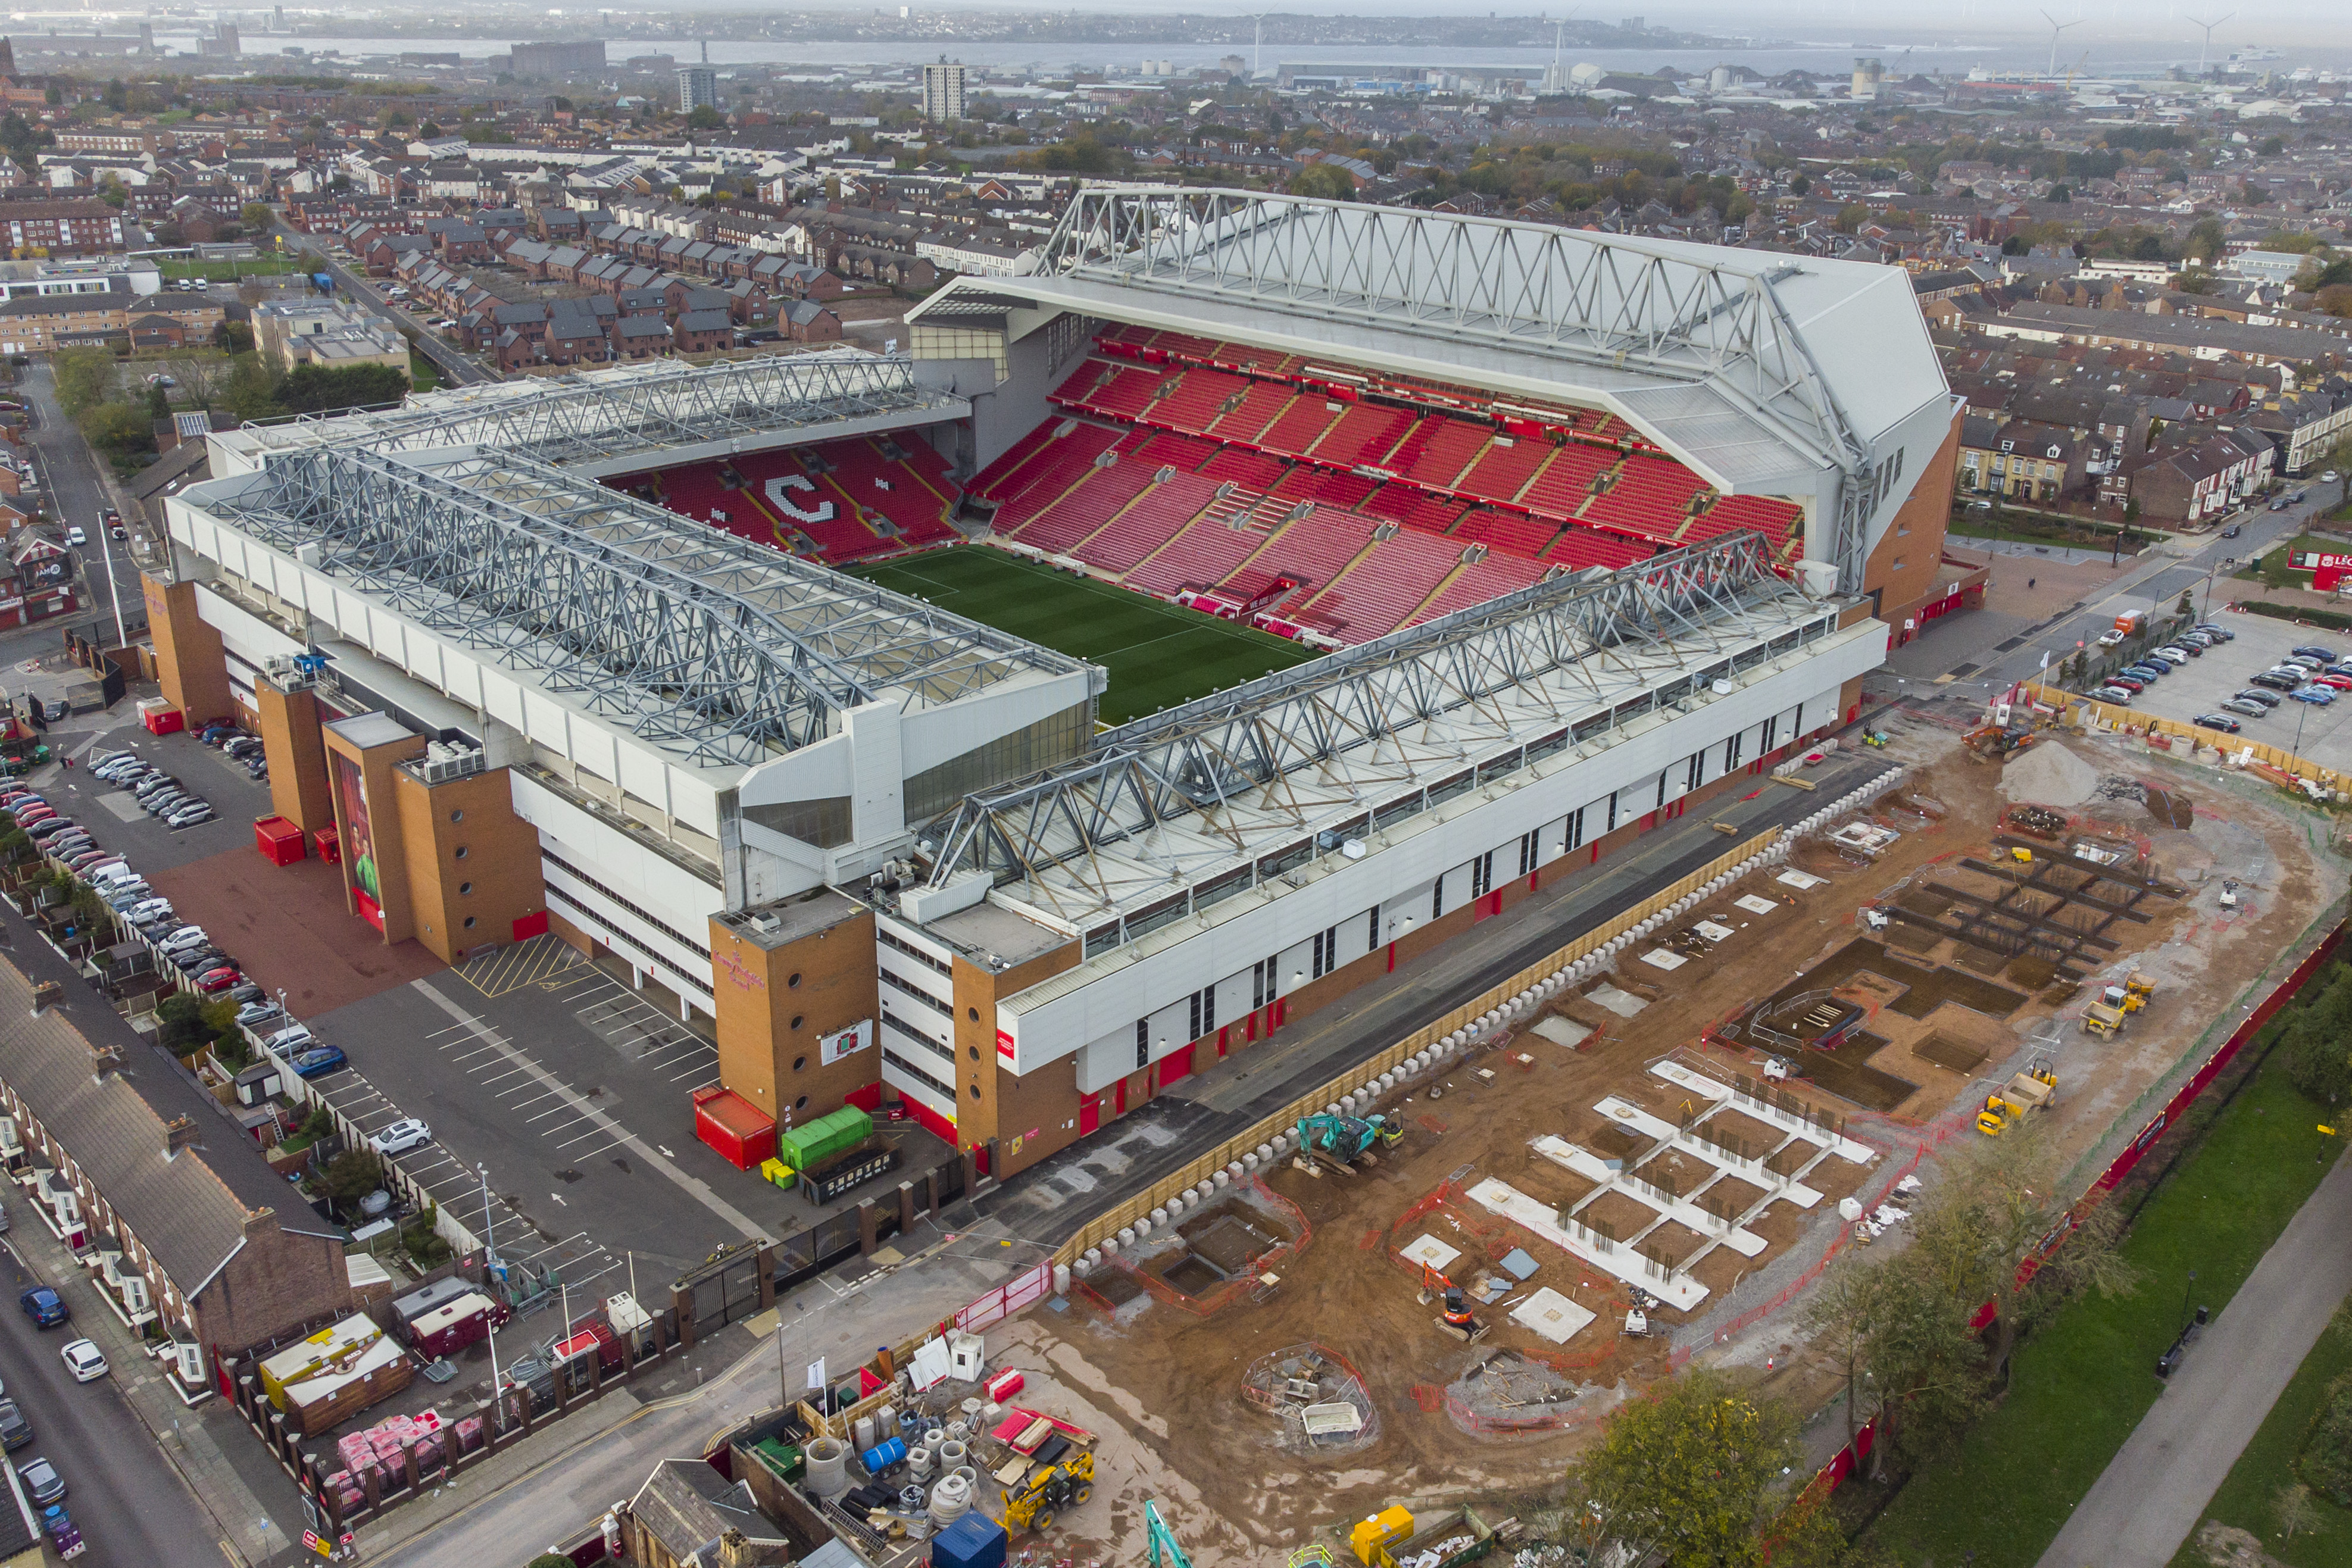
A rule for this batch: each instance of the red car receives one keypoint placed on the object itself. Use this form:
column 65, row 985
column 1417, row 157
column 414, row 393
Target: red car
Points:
column 217, row 980
column 2341, row 682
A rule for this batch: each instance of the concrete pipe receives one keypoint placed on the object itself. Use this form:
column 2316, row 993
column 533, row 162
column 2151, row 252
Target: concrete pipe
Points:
column 969, row 1476
column 828, row 1470
column 951, row 1499
column 919, row 1462
column 957, row 1449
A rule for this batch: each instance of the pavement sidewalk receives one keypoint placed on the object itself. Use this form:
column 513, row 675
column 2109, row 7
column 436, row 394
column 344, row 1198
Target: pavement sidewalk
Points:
column 2154, row 1492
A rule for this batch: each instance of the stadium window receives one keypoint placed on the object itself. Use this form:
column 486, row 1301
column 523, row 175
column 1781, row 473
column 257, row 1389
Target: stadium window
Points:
column 1574, row 839
column 1482, row 875
column 1770, row 736
column 1372, row 929
column 1437, row 898
column 1208, row 1010
column 1695, row 773
column 1143, row 1042
column 1613, row 813
column 1527, row 850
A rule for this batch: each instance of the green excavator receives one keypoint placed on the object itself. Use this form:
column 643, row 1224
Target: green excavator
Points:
column 1337, row 1143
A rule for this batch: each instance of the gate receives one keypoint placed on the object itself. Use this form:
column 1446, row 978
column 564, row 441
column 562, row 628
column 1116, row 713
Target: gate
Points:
column 1007, row 1298
column 725, row 1287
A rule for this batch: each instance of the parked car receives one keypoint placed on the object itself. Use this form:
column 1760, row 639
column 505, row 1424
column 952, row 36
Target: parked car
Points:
column 2215, row 630
column 320, row 1060
column 2221, row 721
column 294, row 1038
column 42, row 1482
column 84, row 1359
column 2249, row 709
column 2128, row 683
column 2325, row 656
column 213, row 981
column 2340, row 682
column 402, row 1136
column 2147, row 669
column 75, row 535
column 253, row 1015
column 2318, row 696
column 2115, row 694
column 189, row 816
column 14, row 1430
column 45, row 1306
column 2174, row 655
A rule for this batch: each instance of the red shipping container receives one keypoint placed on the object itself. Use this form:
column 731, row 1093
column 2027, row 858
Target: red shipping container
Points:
column 734, row 1126
column 279, row 841
column 163, row 721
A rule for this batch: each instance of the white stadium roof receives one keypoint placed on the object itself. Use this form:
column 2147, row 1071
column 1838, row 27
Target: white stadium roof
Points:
column 1757, row 370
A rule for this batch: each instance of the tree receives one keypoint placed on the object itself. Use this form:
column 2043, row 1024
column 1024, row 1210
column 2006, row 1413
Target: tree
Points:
column 1689, row 1471
column 1840, row 1319
column 246, row 392
column 2326, row 1461
column 2292, row 1505
column 200, row 378
column 2188, row 605
column 85, row 377
column 1325, row 182
column 706, row 117
column 180, row 1016
column 158, row 405
column 352, row 1174
column 2319, row 1059
column 1995, row 1206
column 312, row 388
column 233, row 338
column 257, row 215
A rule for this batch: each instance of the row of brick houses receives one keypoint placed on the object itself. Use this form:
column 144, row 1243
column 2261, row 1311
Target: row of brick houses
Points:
column 125, row 1158
column 37, row 324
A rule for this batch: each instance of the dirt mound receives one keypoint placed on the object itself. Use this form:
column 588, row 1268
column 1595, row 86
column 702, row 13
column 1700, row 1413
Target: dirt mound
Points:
column 2050, row 774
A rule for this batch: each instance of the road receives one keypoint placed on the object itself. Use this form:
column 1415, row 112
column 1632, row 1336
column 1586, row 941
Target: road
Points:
column 132, row 1507
column 2157, row 1487
column 77, row 496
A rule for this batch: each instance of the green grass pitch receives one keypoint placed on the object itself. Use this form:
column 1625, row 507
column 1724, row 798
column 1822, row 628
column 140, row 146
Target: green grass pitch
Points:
column 1158, row 655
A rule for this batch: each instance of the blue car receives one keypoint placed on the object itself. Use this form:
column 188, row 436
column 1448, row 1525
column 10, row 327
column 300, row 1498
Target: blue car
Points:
column 319, row 1059
column 45, row 1306
column 2320, row 696
column 2149, row 671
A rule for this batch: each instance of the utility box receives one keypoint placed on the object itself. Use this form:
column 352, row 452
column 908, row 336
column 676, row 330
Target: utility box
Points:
column 1374, row 1535
column 813, row 1145
column 970, row 1541
column 735, row 1127
column 279, row 841
column 161, row 718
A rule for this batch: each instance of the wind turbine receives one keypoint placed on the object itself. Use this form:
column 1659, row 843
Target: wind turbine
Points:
column 2208, row 44
column 2056, row 28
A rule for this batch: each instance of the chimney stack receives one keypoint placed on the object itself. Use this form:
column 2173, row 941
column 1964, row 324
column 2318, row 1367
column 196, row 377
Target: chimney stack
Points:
column 179, row 1133
column 47, row 994
column 105, row 1059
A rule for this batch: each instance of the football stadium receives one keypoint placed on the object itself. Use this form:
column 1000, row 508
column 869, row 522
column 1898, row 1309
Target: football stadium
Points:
column 1230, row 610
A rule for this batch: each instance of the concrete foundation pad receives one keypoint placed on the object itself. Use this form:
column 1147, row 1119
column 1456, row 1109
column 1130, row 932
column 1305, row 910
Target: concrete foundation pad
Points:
column 1624, row 1004
column 1552, row 1315
column 1431, row 1251
column 1756, row 906
column 1659, row 958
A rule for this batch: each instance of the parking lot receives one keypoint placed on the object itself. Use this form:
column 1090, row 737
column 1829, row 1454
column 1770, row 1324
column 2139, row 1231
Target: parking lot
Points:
column 2204, row 684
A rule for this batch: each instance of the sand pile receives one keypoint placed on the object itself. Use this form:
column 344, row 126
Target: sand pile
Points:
column 2050, row 774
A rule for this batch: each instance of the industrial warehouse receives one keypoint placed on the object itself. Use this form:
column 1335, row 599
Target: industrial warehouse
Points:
column 1547, row 538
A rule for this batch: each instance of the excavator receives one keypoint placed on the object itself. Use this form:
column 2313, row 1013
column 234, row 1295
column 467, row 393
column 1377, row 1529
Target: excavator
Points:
column 1337, row 1143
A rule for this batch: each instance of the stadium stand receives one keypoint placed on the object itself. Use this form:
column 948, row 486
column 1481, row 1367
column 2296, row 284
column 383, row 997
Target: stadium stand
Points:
column 1158, row 512
column 1342, row 492
column 1085, row 507
column 1247, row 420
column 1201, row 554
column 1504, row 469
column 1249, row 470
column 1385, row 585
column 1412, row 506
column 1496, row 575
column 1441, row 454
column 1186, row 453
column 1054, row 471
column 1363, row 434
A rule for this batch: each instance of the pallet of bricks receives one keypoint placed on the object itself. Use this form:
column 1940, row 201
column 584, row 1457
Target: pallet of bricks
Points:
column 381, row 1449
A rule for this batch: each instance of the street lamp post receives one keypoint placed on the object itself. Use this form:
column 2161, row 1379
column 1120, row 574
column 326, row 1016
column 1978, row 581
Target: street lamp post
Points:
column 114, row 594
column 489, row 1255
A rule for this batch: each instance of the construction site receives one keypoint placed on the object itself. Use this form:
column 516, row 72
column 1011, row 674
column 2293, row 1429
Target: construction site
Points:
column 1436, row 1299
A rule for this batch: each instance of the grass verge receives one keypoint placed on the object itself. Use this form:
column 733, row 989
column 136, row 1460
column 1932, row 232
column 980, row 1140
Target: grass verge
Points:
column 2267, row 1465
column 1158, row 654
column 2083, row 1381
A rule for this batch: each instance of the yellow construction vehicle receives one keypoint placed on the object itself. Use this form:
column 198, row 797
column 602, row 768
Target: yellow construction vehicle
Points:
column 2025, row 1092
column 1049, row 1492
column 2140, row 985
column 2021, row 854
column 2098, row 1018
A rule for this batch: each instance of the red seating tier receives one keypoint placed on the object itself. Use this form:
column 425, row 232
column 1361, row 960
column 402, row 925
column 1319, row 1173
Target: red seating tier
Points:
column 1159, row 511
column 1315, row 549
column 1251, row 470
column 1247, row 422
column 1444, row 453
column 1343, row 492
column 1502, row 471
column 1412, row 506
column 1199, row 556
column 1582, row 547
column 994, row 481
column 1085, row 508
column 1185, row 452
column 1566, row 482
column 1198, row 398
column 1061, row 466
column 1296, row 428
column 1363, row 434
column 1489, row 579
column 1384, row 589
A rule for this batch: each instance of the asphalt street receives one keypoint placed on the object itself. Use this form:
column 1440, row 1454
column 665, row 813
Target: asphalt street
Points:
column 2155, row 1489
column 131, row 1506
column 77, row 496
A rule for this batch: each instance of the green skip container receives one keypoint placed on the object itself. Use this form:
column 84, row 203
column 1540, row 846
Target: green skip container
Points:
column 805, row 1148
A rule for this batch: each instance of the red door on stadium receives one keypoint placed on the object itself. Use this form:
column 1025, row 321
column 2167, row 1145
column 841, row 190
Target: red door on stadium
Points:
column 1176, row 1067
column 1089, row 1114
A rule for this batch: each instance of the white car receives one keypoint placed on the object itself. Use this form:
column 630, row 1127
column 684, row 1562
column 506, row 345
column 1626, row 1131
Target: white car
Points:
column 401, row 1137
column 84, row 1359
column 74, row 535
